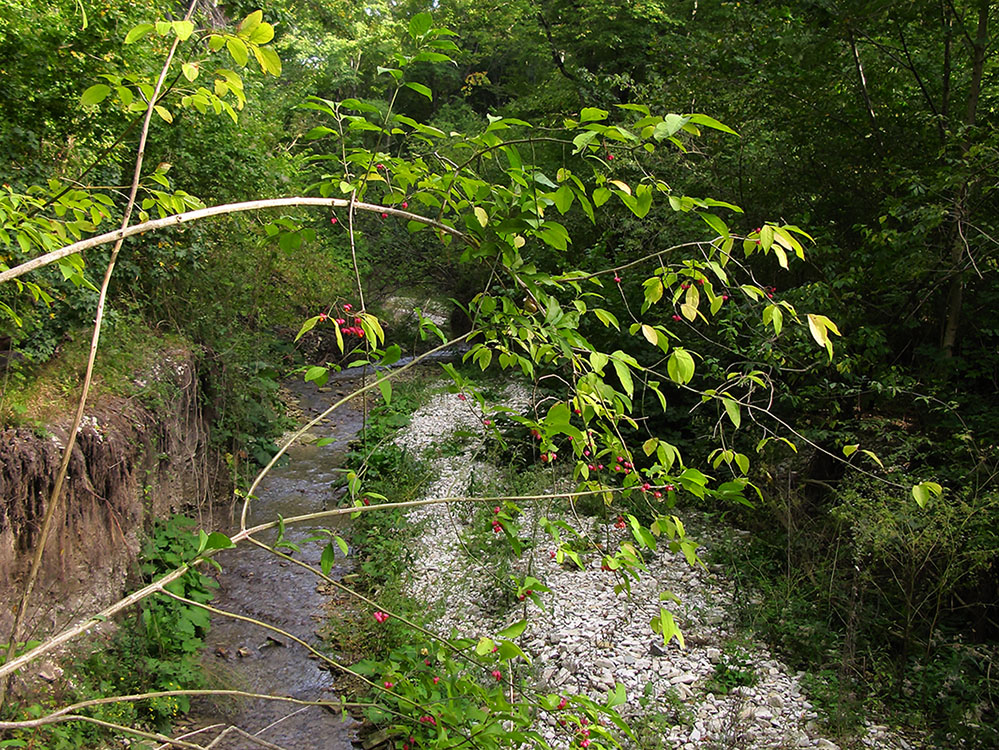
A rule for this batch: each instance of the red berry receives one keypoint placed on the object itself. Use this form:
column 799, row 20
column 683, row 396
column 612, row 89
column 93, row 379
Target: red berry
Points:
column 333, row 220
column 498, row 675
column 405, row 205
column 677, row 318
column 617, row 279
column 384, row 215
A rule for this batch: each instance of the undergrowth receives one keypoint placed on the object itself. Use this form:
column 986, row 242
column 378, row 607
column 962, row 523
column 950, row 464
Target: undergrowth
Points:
column 157, row 650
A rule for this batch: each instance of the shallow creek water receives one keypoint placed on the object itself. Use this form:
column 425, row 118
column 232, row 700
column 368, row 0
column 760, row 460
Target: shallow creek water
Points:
column 255, row 583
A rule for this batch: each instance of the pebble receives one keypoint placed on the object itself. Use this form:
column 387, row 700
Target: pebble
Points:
column 589, row 638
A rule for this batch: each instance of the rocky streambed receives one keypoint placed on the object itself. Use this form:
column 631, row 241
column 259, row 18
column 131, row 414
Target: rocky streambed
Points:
column 721, row 691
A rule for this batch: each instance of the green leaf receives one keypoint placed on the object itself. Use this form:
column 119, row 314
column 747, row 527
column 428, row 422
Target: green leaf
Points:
column 183, row 30
column 670, row 125
column 216, row 540
column 317, row 375
column 385, row 386
column 734, row 412
column 592, row 114
column 420, row 24
column 341, row 544
column 820, row 327
column 606, row 318
column 582, row 140
column 138, row 32
column 481, row 215
column 624, row 375
column 163, row 112
column 563, row 198
column 680, row 366
column 710, row 122
column 307, row 326
column 419, row 88
column 716, row 223
column 190, row 71
column 251, row 22
column 617, row 696
column 323, row 442
column 329, row 556
column 95, row 94
column 262, row 34
column 849, row 450
column 513, row 631
column 484, row 646
column 237, row 50
column 268, row 60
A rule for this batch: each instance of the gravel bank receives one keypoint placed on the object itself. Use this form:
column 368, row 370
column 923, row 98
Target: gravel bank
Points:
column 590, row 637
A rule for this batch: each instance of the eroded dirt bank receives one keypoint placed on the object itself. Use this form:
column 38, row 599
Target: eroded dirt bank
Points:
column 131, row 462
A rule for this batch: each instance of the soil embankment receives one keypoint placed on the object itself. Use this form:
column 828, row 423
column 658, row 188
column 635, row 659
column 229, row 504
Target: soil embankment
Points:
column 131, row 462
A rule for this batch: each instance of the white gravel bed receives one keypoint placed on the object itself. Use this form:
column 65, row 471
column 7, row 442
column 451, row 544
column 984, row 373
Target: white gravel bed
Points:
column 590, row 637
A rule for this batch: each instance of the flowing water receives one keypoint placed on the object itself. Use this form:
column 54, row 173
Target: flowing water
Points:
column 254, row 582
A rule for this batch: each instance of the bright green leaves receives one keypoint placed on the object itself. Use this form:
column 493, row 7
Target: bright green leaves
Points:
column 923, row 491
column 420, row 89
column 592, row 114
column 216, row 540
column 665, row 625
column 183, row 29
column 419, row 25
column 680, row 366
column 820, row 327
column 95, row 94
column 328, row 558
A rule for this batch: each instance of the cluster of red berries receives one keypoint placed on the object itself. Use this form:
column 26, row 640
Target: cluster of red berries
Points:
column 547, row 457
column 381, row 616
column 594, row 467
column 620, row 524
column 770, row 290
column 497, row 526
column 497, row 675
column 622, row 465
column 428, row 720
column 526, row 594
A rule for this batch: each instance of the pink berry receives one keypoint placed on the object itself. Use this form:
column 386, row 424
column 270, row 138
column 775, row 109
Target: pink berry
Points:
column 333, row 220
column 405, row 205
column 677, row 318
column 497, row 675
column 617, row 279
column 610, row 157
column 436, row 680
column 384, row 215
column 389, row 685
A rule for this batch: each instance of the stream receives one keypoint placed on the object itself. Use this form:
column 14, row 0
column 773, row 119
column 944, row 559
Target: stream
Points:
column 253, row 582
